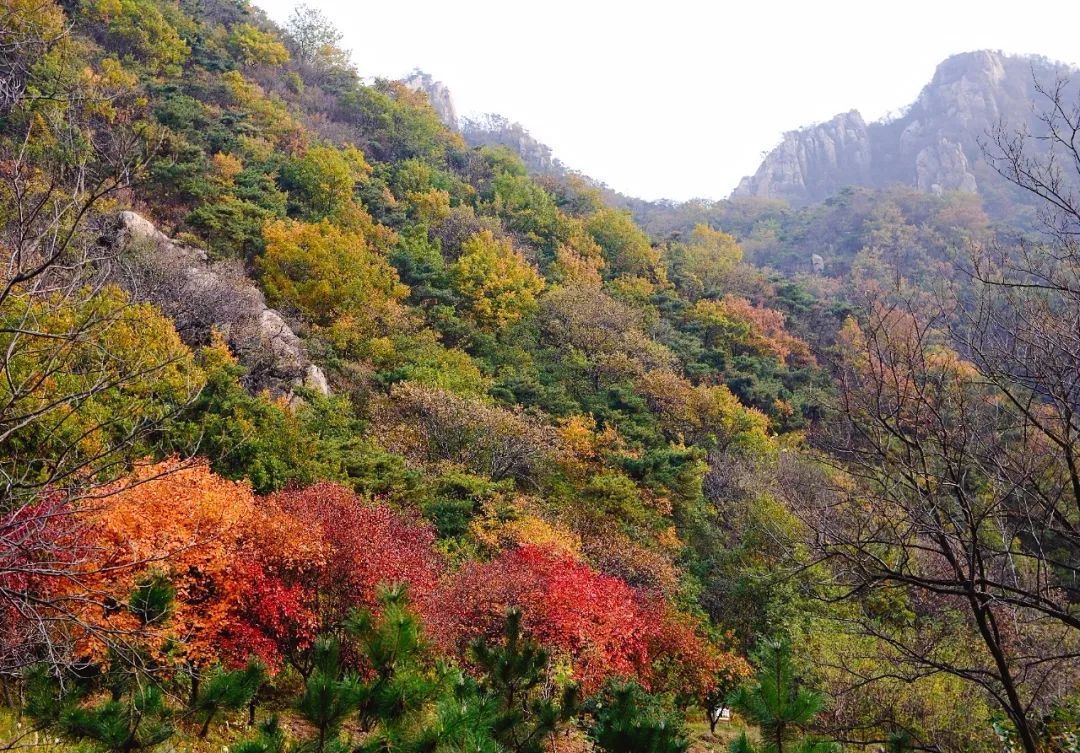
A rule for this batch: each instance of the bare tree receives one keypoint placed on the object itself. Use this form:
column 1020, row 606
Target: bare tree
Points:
column 933, row 531
column 956, row 443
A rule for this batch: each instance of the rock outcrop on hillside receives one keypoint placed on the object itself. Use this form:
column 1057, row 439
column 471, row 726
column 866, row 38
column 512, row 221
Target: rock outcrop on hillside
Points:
column 492, row 130
column 438, row 95
column 934, row 145
column 814, row 161
column 200, row 296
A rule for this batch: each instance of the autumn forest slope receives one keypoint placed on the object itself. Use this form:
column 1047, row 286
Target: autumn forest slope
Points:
column 322, row 429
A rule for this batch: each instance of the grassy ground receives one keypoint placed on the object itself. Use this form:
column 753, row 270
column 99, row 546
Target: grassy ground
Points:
column 702, row 741
column 226, row 733
column 15, row 736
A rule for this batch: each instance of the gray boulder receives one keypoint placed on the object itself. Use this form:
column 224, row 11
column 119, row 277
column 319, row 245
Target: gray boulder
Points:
column 201, row 296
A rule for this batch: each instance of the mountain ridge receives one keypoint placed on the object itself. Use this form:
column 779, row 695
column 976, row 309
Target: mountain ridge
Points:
column 932, row 145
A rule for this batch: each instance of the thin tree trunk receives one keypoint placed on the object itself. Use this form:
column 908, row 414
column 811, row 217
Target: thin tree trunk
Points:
column 194, row 686
column 984, row 620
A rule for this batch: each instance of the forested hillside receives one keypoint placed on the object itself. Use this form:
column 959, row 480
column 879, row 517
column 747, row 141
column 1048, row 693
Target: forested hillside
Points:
column 322, row 430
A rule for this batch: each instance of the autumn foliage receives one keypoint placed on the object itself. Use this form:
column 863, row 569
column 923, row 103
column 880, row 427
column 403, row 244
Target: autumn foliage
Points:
column 596, row 622
column 365, row 545
column 264, row 576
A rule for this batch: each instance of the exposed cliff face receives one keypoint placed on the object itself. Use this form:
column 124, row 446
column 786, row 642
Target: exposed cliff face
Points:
column 486, row 130
column 200, row 296
column 933, row 146
column 494, row 129
column 438, row 95
column 814, row 161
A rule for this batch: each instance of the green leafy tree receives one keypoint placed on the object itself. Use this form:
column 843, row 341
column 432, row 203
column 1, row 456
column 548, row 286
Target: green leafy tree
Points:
column 780, row 708
column 626, row 248
column 335, row 278
column 704, row 265
column 497, row 284
column 314, row 38
column 322, row 181
column 255, row 47
column 525, row 207
column 140, row 30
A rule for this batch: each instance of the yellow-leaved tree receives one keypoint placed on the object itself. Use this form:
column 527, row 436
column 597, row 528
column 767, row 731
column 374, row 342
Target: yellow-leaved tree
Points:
column 334, row 278
column 498, row 284
column 703, row 266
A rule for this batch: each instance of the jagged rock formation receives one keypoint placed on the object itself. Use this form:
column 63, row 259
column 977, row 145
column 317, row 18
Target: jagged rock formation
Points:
column 200, row 296
column 933, row 146
column 438, row 95
column 814, row 161
column 492, row 129
column 487, row 130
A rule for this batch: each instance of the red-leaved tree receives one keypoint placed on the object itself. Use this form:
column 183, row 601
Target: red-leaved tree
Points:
column 599, row 623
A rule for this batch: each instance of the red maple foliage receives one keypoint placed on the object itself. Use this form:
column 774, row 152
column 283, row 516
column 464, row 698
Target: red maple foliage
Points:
column 44, row 550
column 366, row 545
column 684, row 661
column 272, row 619
column 265, row 576
column 598, row 622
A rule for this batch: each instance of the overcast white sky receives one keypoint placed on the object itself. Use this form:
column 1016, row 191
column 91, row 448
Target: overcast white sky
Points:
column 680, row 98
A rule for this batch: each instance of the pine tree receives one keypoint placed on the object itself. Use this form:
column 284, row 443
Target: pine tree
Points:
column 514, row 669
column 135, row 716
column 137, row 722
column 330, row 696
column 780, row 708
column 153, row 598
column 270, row 739
column 626, row 719
column 228, row 691
column 136, row 719
column 403, row 685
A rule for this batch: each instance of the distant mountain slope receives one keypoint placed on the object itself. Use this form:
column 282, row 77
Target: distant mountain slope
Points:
column 933, row 146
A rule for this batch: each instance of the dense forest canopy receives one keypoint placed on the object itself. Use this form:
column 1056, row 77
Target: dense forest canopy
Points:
column 325, row 428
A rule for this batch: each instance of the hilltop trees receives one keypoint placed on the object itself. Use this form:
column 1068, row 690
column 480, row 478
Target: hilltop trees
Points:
column 315, row 41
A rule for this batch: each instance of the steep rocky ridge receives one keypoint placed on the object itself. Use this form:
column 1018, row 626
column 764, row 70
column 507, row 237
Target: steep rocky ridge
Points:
column 438, row 95
column 487, row 130
column 494, row 129
column 814, row 161
column 200, row 296
column 933, row 146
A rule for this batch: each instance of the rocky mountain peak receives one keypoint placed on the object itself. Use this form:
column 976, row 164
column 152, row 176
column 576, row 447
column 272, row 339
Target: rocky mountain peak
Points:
column 815, row 160
column 438, row 95
column 933, row 145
